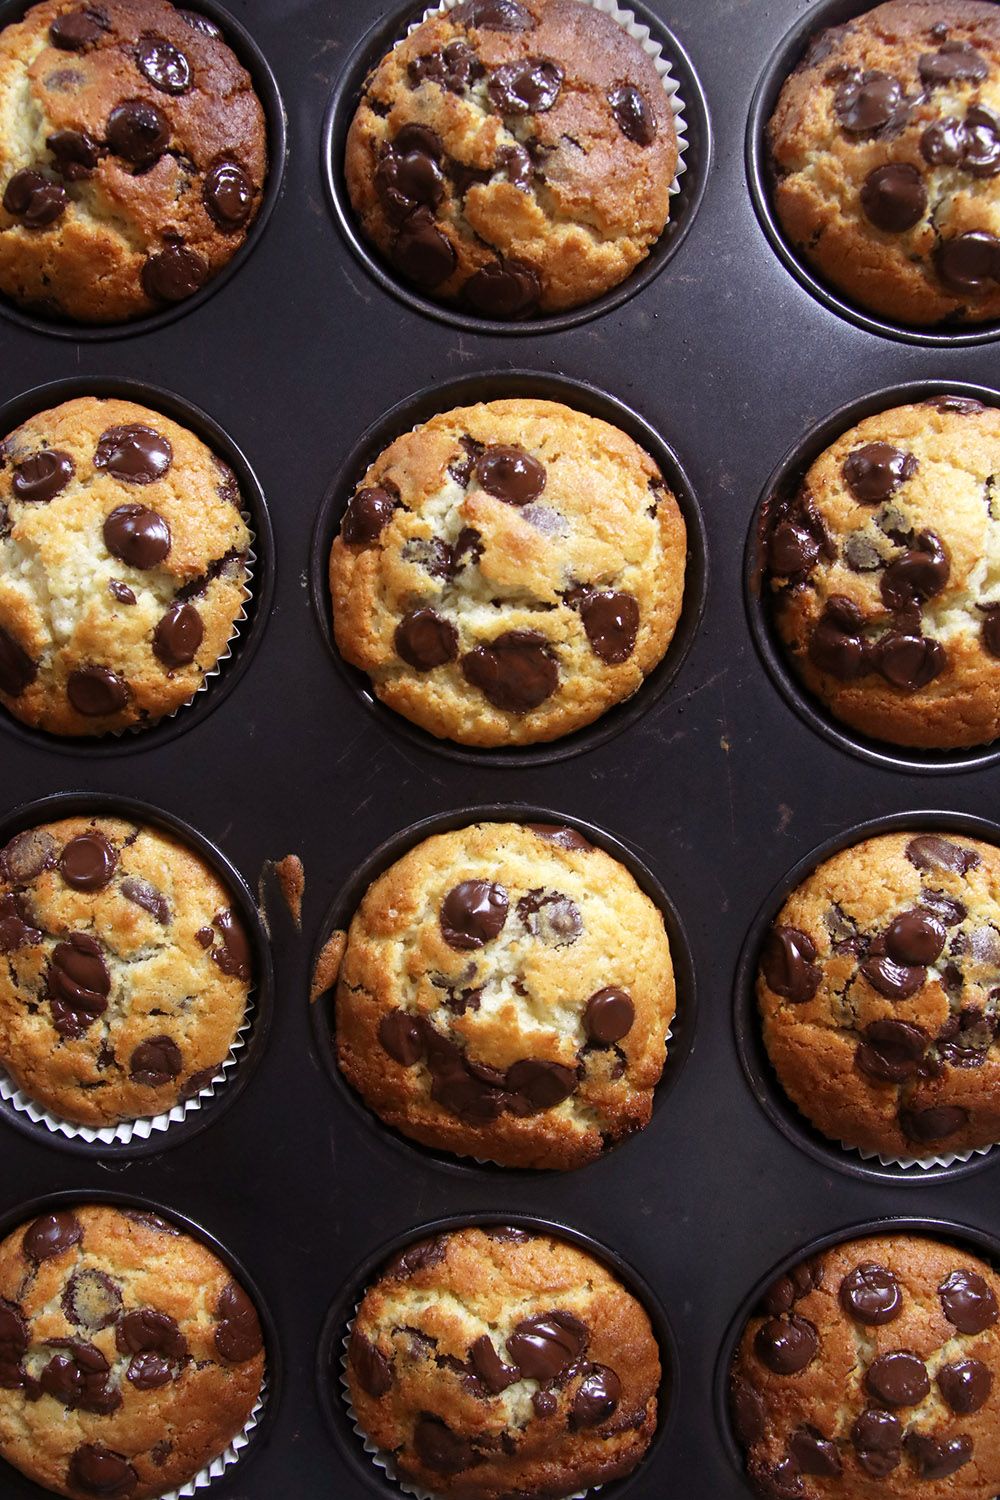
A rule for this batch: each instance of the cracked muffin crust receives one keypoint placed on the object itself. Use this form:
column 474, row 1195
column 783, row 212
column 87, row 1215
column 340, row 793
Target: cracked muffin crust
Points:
column 122, row 566
column 506, row 992
column 884, row 574
column 868, row 1372
column 885, row 145
column 129, row 1357
column 507, row 572
column 879, row 991
column 124, row 972
column 133, row 155
column 492, row 1362
column 514, row 156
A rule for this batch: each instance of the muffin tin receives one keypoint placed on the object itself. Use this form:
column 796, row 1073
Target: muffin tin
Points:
column 716, row 784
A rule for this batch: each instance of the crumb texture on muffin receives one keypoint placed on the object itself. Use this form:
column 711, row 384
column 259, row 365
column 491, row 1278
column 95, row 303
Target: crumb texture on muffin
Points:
column 515, row 156
column 868, row 1373
column 492, row 1362
column 506, row 993
column 885, row 144
column 507, row 572
column 130, row 1356
column 133, row 156
column 122, row 566
column 879, row 990
column 125, row 972
column 884, row 574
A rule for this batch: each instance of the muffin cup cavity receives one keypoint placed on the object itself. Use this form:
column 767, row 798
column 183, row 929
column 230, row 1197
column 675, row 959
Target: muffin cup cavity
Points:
column 757, row 1066
column 760, row 177
column 258, row 587
column 687, row 101
column 265, row 85
column 467, row 391
column 784, row 481
column 375, row 1467
column 153, row 1133
column 680, row 1036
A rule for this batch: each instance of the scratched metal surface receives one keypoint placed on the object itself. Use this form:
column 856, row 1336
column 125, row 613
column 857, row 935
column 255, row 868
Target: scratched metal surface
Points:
column 720, row 787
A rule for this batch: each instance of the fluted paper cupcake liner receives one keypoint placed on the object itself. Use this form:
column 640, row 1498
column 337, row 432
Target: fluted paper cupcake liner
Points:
column 227, row 1458
column 641, row 33
column 926, row 1163
column 128, row 1130
column 378, row 1456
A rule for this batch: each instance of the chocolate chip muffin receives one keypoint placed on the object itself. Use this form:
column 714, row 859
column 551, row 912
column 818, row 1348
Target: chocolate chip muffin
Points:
column 122, row 566
column 507, row 572
column 514, row 156
column 506, row 992
column 879, row 989
column 493, row 1362
column 886, row 148
column 129, row 1357
column 882, row 572
column 125, row 972
column 868, row 1372
column 133, row 156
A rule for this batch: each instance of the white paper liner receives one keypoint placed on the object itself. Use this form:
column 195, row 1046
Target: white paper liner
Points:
column 227, row 1458
column 628, row 22
column 378, row 1456
column 950, row 1159
column 128, row 1130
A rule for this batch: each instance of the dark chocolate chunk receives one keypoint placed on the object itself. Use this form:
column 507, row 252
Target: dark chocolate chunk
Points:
column 141, row 893
column 871, row 1295
column 78, row 984
column 517, row 163
column 490, row 1368
column 894, row 197
column 910, row 662
column 955, row 61
column 890, row 1051
column 145, row 1330
column 155, row 1062
column 609, row 1016
column 96, row 692
column 539, row 1085
column 454, row 68
column 43, row 476
column 228, row 195
column 926, row 1126
column 516, row 671
column 787, row 964
column 367, row 515
column 178, row 635
column 440, row 1449
column 88, row 862
column 965, row 406
column 915, row 937
column 545, row 1345
column 233, row 954
column 920, row 573
column 91, row 1300
column 508, row 288
column 794, row 535
column 425, row 640
column 837, row 645
column 526, row 87
column 165, row 65
column 991, row 628
column 201, row 23
column 419, row 1257
column 981, row 144
column 16, row 929
column 634, row 113
column 786, row 1345
column 564, row 838
column 53, row 1234
column 34, row 199
column 473, row 914
column 877, row 470
column 80, row 1378
column 17, row 670
column 814, row 1453
column 97, row 1471
column 968, row 1302
column 76, row 154
column 134, row 454
column 894, row 981
column 138, row 132
column 409, row 174
column 510, row 474
column 597, row 1397
column 969, row 264
column 14, row 1341
column 148, row 1372
column 27, row 855
column 494, row 15
column 928, row 851
column 611, row 621
column 237, row 1335
column 402, row 1037
column 866, row 103
column 965, row 1385
column 137, row 535
column 370, row 1365
column 878, row 1441
column 422, row 252
column 936, row 1458
column 78, row 29
column 898, row 1378
column 748, row 1411
column 174, row 273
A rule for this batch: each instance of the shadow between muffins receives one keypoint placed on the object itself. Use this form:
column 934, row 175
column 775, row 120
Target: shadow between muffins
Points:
column 17, row 1485
column 960, row 1235
column 259, row 1004
column 760, row 1074
column 257, row 607
column 496, row 385
column 340, row 914
column 266, row 88
column 784, row 480
column 760, row 178
column 380, row 40
column 329, row 1353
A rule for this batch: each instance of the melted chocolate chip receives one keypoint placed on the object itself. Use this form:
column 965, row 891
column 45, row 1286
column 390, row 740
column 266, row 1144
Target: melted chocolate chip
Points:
column 91, row 1300
column 893, row 980
column 910, row 662
column 233, row 954
column 14, row 1341
column 748, row 1411
column 915, row 937
column 237, row 1336
column 866, row 103
column 877, row 470
column 898, row 1378
column 786, row 1345
column 163, row 64
column 878, row 1441
column 78, row 984
column 610, row 1015
column 990, row 634
column 155, row 1062
column 79, row 1378
column 494, row 15
column 509, row 288
column 787, row 964
column 138, row 132
column 148, row 1372
column 813, row 1453
column 178, row 635
column 134, row 454
column 402, row 1037
column 894, row 197
column 968, row 1302
column 928, row 1125
column 516, row 672
column 837, row 645
column 137, row 535
column 538, row 1085
column 544, row 1403
column 972, row 144
column 422, row 252
column 198, row 22
column 142, row 894
column 27, row 855
column 543, row 1346
column 17, row 670
column 419, row 1257
column 409, row 174
column 564, row 838
column 928, row 851
column 969, row 264
column 51, row 1235
column 891, row 1051
column 16, row 929
column 146, row 1331
column 425, row 640
column 228, row 196
column 611, row 621
column 955, row 61
column 794, row 535
column 936, row 1458
column 634, row 113
column 920, row 573
column 516, row 162
column 510, row 474
column 370, row 1365
column 455, row 68
column 43, row 476
column 76, row 154
column 173, row 274
column 88, row 862
column 34, row 199
column 490, row 1368
column 965, row 1385
column 97, row 1471
column 871, row 1295
column 965, row 406
column 367, row 515
column 473, row 914
column 597, row 1397
column 440, row 1449
column 78, row 29
column 527, row 87
column 96, row 692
